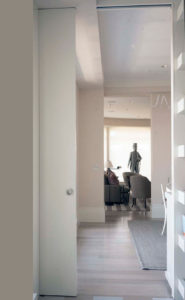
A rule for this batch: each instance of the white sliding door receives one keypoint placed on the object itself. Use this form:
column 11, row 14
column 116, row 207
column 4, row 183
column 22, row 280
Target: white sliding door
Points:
column 57, row 152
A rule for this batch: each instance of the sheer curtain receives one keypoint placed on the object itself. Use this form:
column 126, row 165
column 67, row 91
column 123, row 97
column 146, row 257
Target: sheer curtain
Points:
column 121, row 140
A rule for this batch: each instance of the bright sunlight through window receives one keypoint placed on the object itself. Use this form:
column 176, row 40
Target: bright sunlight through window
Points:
column 118, row 142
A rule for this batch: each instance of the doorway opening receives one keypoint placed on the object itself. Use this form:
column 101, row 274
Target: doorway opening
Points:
column 136, row 92
column 136, row 59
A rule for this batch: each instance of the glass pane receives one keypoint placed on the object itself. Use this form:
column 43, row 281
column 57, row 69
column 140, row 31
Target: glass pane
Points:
column 120, row 144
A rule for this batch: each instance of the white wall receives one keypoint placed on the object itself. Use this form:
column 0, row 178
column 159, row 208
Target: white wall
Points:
column 178, row 138
column 161, row 149
column 90, row 149
column 16, row 154
column 35, row 156
column 127, row 122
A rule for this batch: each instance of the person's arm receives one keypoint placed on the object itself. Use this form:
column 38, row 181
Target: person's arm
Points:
column 129, row 161
column 139, row 157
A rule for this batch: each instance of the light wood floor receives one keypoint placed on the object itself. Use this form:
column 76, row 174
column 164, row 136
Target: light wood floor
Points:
column 108, row 264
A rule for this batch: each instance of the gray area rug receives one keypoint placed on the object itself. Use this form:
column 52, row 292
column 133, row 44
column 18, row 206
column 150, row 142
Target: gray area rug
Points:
column 150, row 245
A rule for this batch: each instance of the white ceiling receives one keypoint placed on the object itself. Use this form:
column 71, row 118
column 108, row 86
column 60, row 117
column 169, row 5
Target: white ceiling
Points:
column 88, row 53
column 127, row 107
column 89, row 66
column 135, row 43
column 121, row 50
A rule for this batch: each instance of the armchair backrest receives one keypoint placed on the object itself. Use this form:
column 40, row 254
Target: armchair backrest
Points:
column 126, row 178
column 140, row 187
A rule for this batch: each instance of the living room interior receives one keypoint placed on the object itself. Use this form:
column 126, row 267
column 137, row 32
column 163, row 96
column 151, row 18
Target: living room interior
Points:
column 120, row 135
column 121, row 96
column 136, row 68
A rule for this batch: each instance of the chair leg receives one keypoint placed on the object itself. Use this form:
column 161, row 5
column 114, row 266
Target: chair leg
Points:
column 134, row 202
column 145, row 203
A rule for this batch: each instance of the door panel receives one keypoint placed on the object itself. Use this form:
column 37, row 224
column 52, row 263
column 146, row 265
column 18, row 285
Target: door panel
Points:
column 57, row 152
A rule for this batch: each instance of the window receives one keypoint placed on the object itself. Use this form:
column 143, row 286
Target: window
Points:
column 120, row 141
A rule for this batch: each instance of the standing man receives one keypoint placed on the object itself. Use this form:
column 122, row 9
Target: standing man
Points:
column 134, row 160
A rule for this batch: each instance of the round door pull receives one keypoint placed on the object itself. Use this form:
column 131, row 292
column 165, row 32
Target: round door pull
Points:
column 69, row 192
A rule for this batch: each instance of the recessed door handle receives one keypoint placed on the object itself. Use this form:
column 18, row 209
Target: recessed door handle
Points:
column 69, row 192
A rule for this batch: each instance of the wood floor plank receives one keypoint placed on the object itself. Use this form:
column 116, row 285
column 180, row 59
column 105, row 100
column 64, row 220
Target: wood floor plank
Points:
column 108, row 264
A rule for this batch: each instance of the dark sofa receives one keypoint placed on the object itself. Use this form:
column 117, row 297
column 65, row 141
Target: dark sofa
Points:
column 115, row 194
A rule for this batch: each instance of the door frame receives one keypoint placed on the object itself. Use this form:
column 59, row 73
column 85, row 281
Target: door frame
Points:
column 134, row 3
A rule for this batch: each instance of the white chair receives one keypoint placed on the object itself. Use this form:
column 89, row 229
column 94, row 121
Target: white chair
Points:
column 165, row 209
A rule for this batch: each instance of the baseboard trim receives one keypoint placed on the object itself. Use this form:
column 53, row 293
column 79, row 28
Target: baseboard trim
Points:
column 170, row 282
column 35, row 296
column 157, row 211
column 168, row 278
column 92, row 214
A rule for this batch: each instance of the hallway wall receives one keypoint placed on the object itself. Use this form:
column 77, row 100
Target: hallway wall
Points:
column 161, row 149
column 127, row 122
column 178, row 139
column 90, row 155
column 16, row 158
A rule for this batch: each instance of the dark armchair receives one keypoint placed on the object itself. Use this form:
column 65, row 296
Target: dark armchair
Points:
column 140, row 187
column 126, row 178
